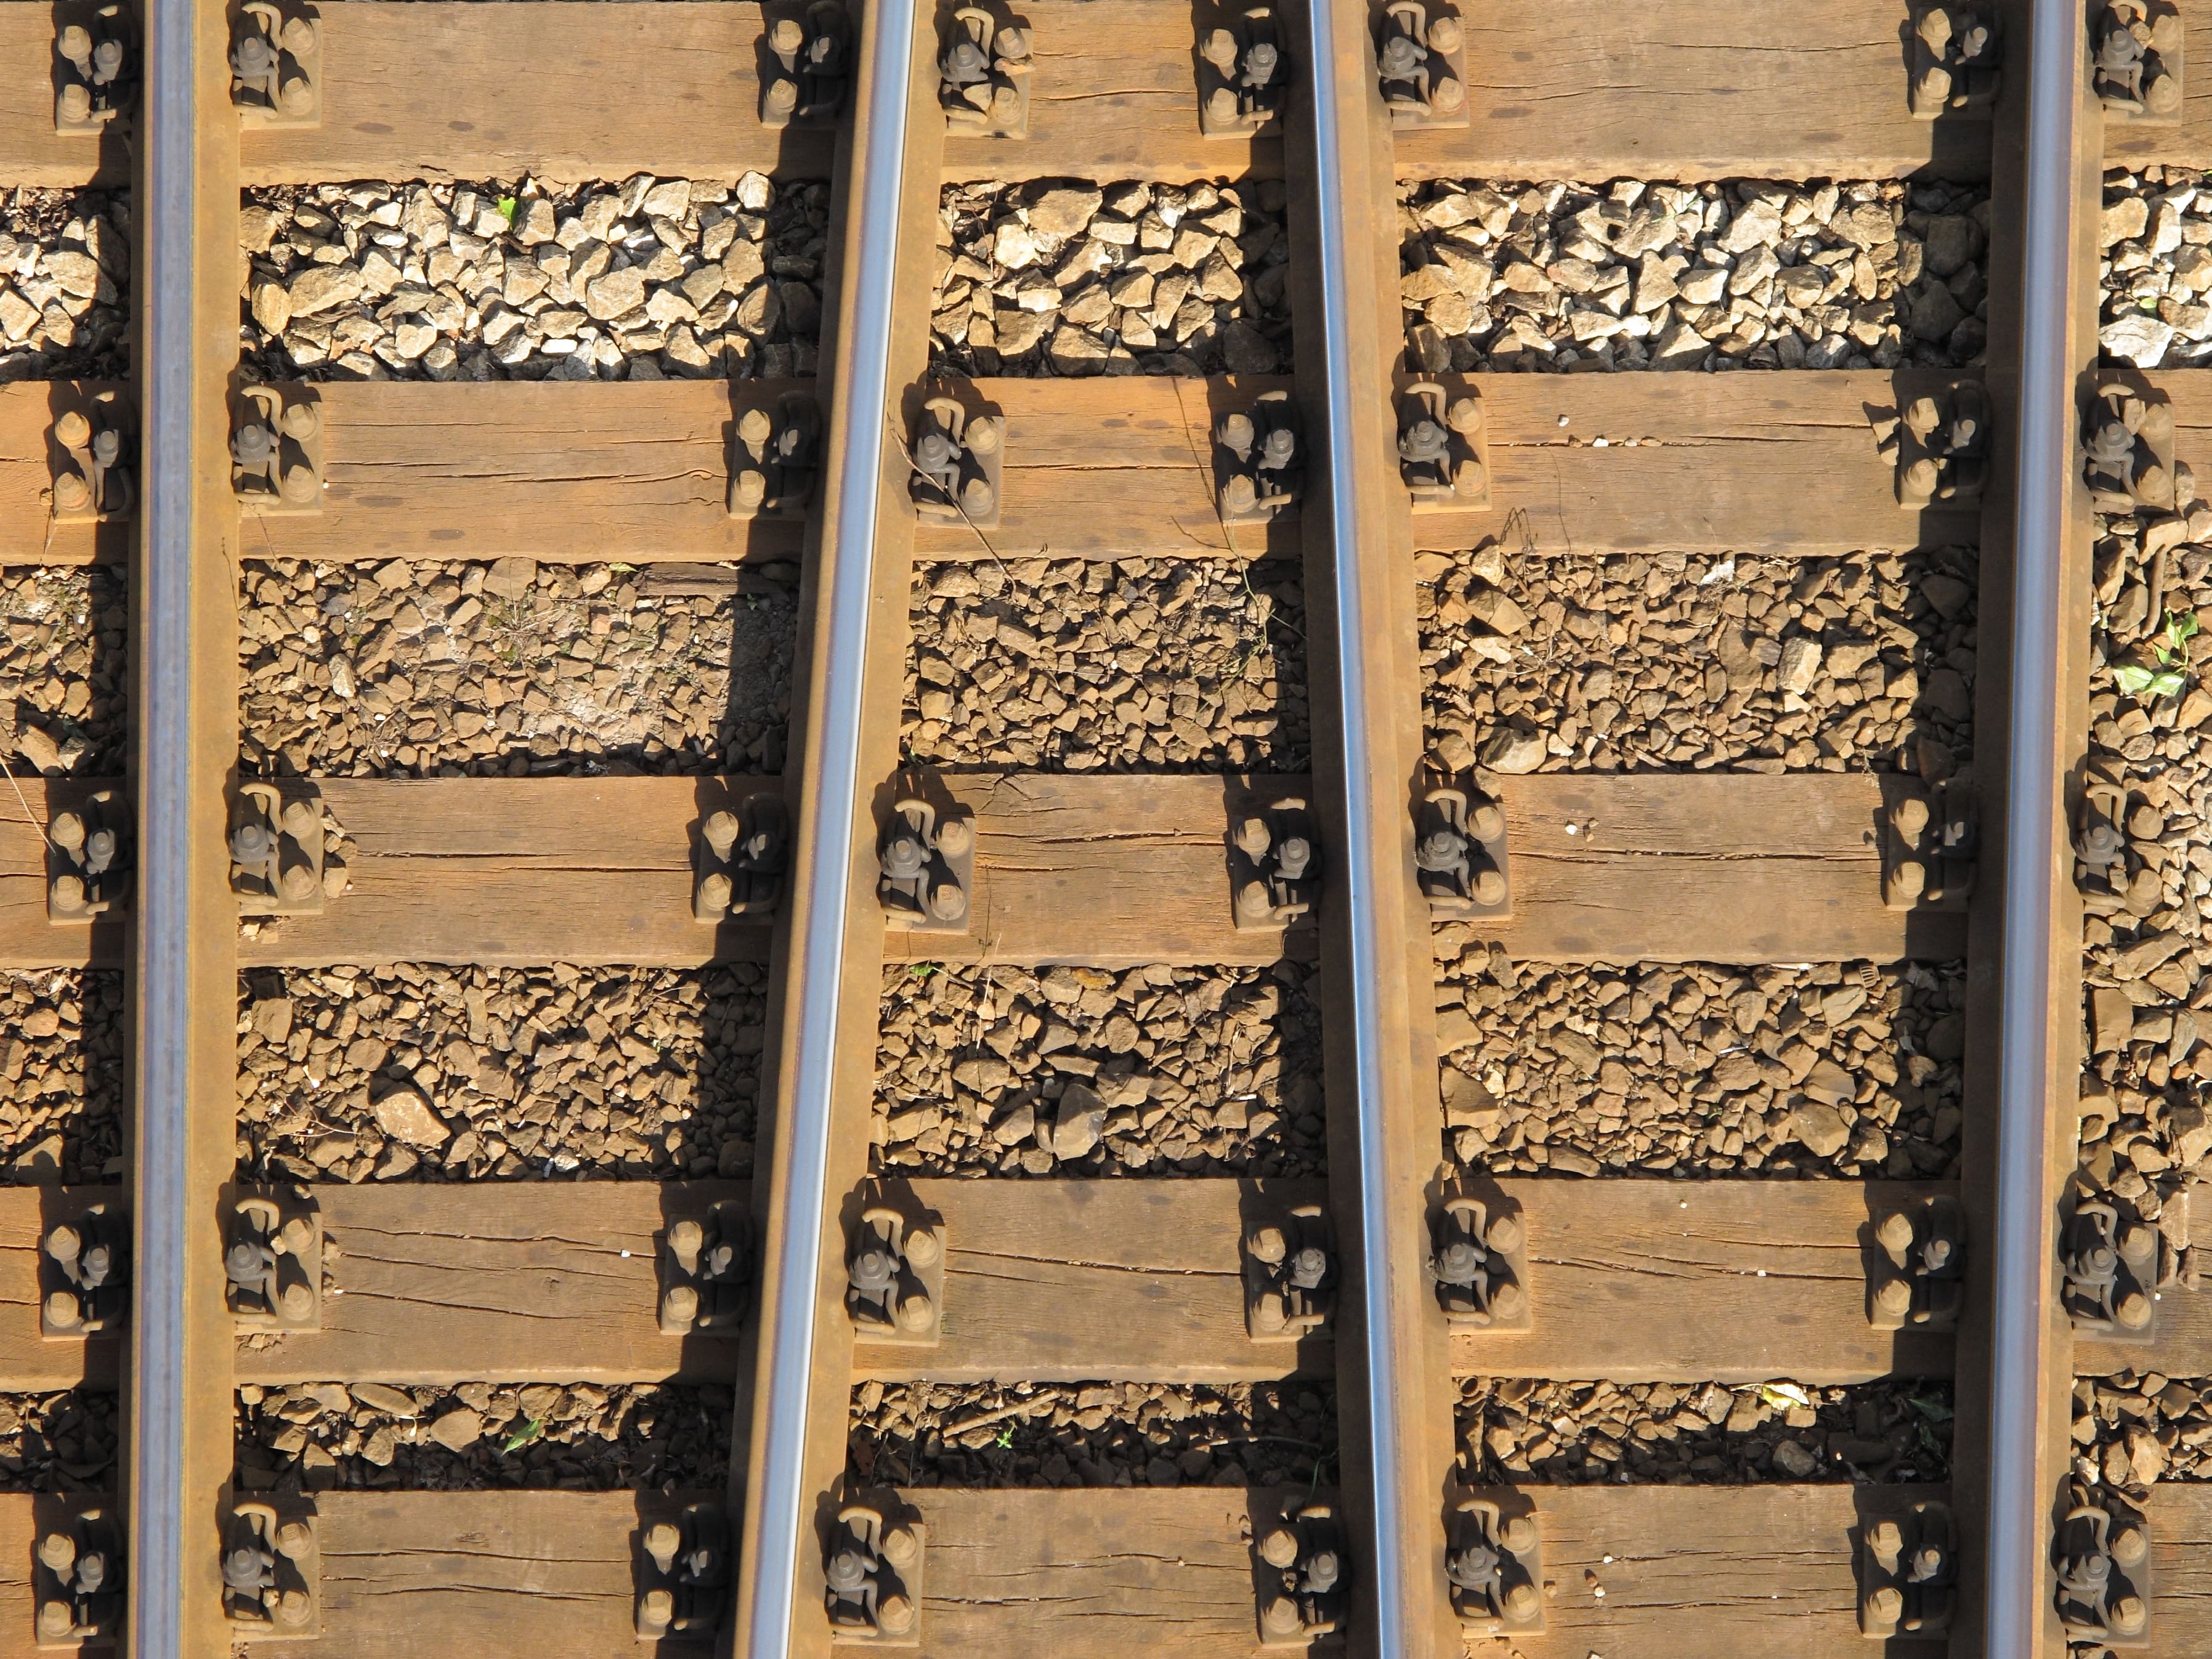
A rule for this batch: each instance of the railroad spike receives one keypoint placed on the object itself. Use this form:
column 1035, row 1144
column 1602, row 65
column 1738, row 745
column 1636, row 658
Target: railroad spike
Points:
column 983, row 74
column 93, row 460
column 2102, row 1556
column 1243, row 74
column 1421, row 64
column 1304, row 1576
column 272, row 1569
column 96, row 69
column 1955, row 56
column 276, row 65
column 273, row 1262
column 872, row 1565
column 808, row 71
column 682, row 1571
column 1494, row 1563
column 88, row 858
column 2137, row 49
column 1908, row 1572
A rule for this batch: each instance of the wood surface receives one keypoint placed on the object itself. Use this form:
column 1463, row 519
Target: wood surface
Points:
column 27, row 1360
column 1114, row 96
column 426, row 1575
column 1691, row 1281
column 36, row 154
column 552, row 1281
column 1101, row 870
column 2180, row 1516
column 437, row 91
column 1112, row 1280
column 639, row 471
column 1592, row 90
column 2187, row 142
column 1707, row 1572
column 1739, row 458
column 28, row 534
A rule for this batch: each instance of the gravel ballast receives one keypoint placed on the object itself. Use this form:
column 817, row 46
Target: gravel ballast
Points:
column 1742, row 274
column 1844, row 1070
column 1142, row 666
column 58, row 1442
column 1078, row 1071
column 437, row 1073
column 61, row 1074
column 1091, row 1434
column 64, row 280
column 636, row 279
column 426, row 668
column 1063, row 277
column 2134, row 1429
column 63, row 671
column 1669, row 663
column 1518, row 1431
column 2155, row 267
column 483, row 1437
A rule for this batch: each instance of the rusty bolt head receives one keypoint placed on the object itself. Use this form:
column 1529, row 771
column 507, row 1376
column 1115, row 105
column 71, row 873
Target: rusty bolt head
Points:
column 751, row 488
column 1252, row 839
column 1885, row 1537
column 297, row 1302
column 948, row 900
column 1269, row 1313
column 73, row 429
column 295, row 1235
column 1893, row 1297
column 1503, row 1234
column 297, row 884
column 1507, row 1300
column 899, row 1545
column 64, row 1311
column 300, row 421
column 1464, row 416
column 656, row 1610
column 1265, row 1244
column 2130, row 1544
column 58, row 1552
column 1252, row 900
column 56, row 1620
column 1279, row 1548
column 786, row 36
column 1885, row 1604
column 1239, row 495
column 1489, row 888
column 1909, row 880
column 2133, row 1310
column 67, row 832
column 923, row 1248
column 2138, row 1245
column 1447, row 95
column 76, row 106
column 1895, row 1232
column 954, row 837
column 662, row 1540
column 2128, row 1614
column 680, row 1306
column 895, row 1614
column 1011, row 46
column 1486, row 821
column 1220, row 49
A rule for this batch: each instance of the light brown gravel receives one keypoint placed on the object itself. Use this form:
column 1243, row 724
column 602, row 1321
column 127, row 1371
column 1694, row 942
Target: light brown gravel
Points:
column 2134, row 1429
column 55, row 1443
column 429, row 668
column 1090, row 1434
column 63, row 671
column 649, row 1074
column 640, row 279
column 1841, row 1069
column 1669, row 663
column 1062, row 276
column 483, row 1437
column 64, row 278
column 1742, row 274
column 61, row 1074
column 1519, row 1432
column 1144, row 666
column 1073, row 1071
column 2156, row 266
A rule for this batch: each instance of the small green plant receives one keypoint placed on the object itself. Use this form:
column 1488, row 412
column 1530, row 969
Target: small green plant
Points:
column 507, row 207
column 1006, row 1437
column 522, row 1436
column 2168, row 670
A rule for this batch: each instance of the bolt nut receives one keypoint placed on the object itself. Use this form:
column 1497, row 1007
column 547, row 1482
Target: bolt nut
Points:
column 900, row 1547
column 64, row 1311
column 1885, row 1604
column 656, row 1610
column 895, row 1614
column 956, row 838
column 1895, row 1297
column 1505, row 1234
column 1279, row 1548
column 1279, row 1616
column 1521, row 1602
column 2130, row 1545
column 680, row 1306
column 922, row 1248
column 1885, row 1537
column 915, row 1312
column 1507, row 1301
column 56, row 1620
column 1517, row 1534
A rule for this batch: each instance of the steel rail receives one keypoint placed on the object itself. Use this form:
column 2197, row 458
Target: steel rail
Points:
column 2021, row 1277
column 1353, row 891
column 172, row 460
column 783, row 1505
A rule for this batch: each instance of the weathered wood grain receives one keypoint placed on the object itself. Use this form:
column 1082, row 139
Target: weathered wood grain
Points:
column 523, row 1281
column 1097, row 1280
column 1681, row 89
column 1707, row 1572
column 1732, row 1282
column 28, row 534
column 1736, row 458
column 2180, row 1516
column 2188, row 143
column 1113, row 872
column 1114, row 96
column 435, row 92
column 421, row 1575
column 36, row 154
column 28, row 1360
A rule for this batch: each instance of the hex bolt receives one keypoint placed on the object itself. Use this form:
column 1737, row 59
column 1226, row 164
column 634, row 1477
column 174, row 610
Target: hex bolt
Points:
column 1885, row 1538
column 64, row 1311
column 57, row 1553
column 895, row 1614
column 1220, row 49
column 67, row 832
column 1521, row 1602
column 71, row 493
column 1895, row 1232
column 983, row 436
column 1239, row 495
column 1489, row 888
column 656, row 1609
column 294, row 1540
column 1503, row 1234
column 56, row 1620
column 1252, row 900
column 67, row 893
column 1885, row 1604
column 1447, row 95
column 1279, row 1548
column 899, row 1545
column 1909, row 880
column 1517, row 1534
column 783, row 96
column 297, row 1301
column 786, row 37
column 681, row 1305
column 2133, row 1310
column 948, row 902
column 976, row 497
column 956, row 837
column 1238, row 432
column 720, row 832
column 74, row 429
column 1909, row 817
column 293, row 1608
column 2130, row 1544
column 922, row 1248
column 1894, row 1299
column 1280, row 1617
column 2128, row 1614
column 1507, row 1301
column 1011, row 46
column 1266, row 1244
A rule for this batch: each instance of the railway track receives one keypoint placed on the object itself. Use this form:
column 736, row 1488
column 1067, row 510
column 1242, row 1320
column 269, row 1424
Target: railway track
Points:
column 839, row 991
